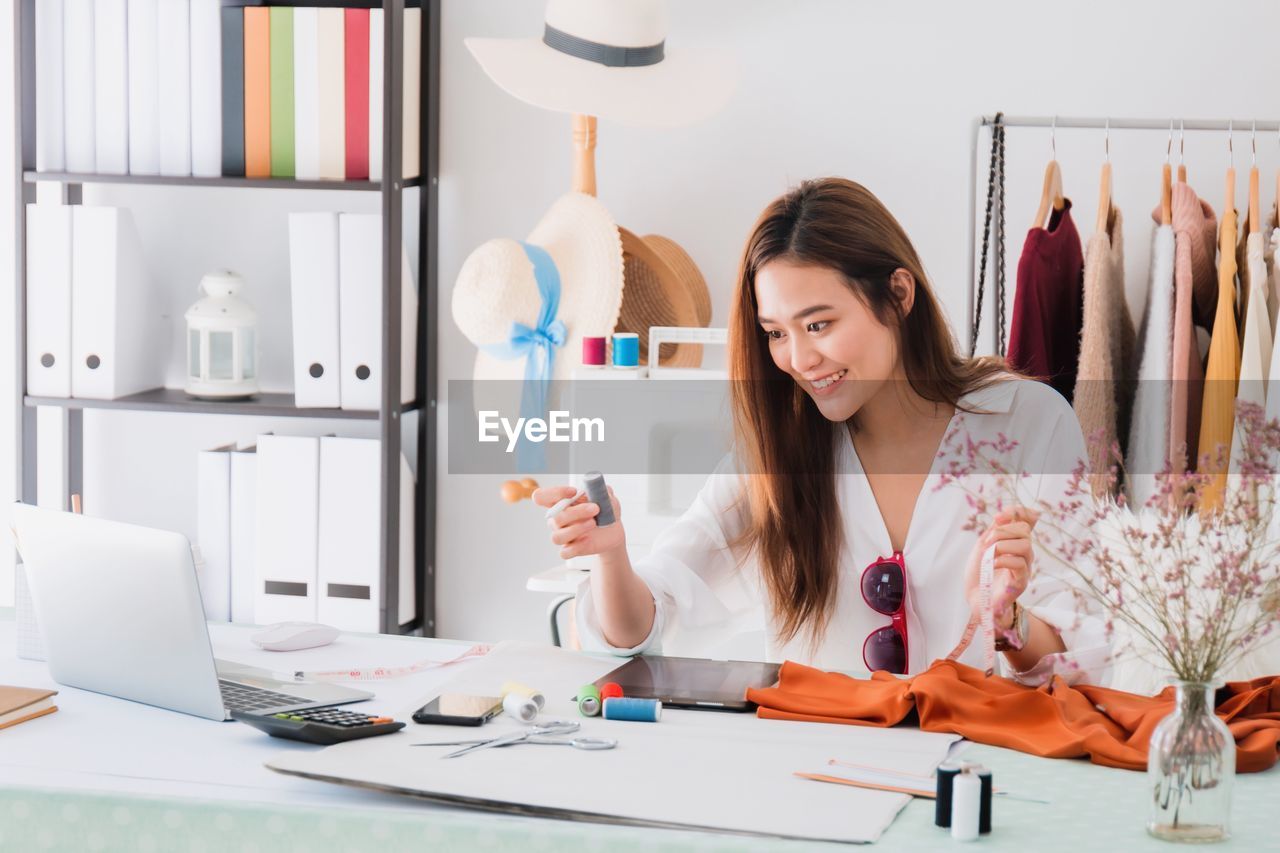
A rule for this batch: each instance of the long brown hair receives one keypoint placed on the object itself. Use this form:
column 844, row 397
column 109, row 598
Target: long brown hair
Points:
column 782, row 438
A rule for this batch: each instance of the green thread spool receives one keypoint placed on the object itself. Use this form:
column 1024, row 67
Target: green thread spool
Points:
column 588, row 700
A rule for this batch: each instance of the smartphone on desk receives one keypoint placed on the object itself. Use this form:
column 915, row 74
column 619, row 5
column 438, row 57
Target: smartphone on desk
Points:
column 459, row 709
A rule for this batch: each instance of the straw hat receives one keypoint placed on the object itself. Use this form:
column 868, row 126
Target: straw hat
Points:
column 610, row 59
column 664, row 287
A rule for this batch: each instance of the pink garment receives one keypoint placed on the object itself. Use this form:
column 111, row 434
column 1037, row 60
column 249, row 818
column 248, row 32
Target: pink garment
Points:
column 1103, row 395
column 1195, row 300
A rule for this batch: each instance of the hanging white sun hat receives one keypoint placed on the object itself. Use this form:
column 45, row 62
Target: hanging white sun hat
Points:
column 610, row 60
column 523, row 302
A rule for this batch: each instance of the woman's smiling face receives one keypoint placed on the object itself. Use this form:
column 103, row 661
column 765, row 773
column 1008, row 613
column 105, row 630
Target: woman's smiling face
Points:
column 824, row 336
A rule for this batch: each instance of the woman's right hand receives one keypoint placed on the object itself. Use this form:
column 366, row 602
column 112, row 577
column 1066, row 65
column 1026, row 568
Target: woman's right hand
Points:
column 575, row 529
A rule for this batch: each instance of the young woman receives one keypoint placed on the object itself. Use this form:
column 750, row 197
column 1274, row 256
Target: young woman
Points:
column 831, row 533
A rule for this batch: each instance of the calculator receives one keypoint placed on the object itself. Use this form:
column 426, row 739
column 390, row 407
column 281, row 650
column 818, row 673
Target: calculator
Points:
column 320, row 725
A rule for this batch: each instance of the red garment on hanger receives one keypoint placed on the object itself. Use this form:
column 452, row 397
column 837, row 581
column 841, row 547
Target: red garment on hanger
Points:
column 1048, row 305
column 1056, row 720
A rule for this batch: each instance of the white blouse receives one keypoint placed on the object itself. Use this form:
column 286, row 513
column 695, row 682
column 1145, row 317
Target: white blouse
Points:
column 705, row 600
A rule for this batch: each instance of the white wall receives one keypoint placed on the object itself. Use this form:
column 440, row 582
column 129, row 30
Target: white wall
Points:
column 883, row 93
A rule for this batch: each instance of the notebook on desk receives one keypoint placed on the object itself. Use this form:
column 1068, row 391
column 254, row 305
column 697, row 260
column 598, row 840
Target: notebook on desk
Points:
column 19, row 704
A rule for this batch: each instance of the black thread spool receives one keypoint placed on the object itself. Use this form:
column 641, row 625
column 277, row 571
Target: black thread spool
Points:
column 947, row 772
column 984, row 807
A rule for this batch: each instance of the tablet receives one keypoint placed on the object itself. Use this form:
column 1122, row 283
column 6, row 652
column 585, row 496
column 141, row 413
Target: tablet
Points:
column 713, row 685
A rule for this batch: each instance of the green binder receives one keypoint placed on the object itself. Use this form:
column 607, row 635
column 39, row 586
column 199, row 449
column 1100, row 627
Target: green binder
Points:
column 282, row 122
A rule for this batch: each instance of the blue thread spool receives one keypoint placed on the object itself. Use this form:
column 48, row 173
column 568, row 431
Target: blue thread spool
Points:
column 626, row 350
column 634, row 710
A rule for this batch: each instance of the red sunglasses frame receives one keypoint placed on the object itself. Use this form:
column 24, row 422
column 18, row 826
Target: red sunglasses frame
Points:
column 897, row 619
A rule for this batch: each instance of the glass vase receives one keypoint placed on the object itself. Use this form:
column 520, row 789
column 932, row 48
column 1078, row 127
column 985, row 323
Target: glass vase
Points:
column 1190, row 767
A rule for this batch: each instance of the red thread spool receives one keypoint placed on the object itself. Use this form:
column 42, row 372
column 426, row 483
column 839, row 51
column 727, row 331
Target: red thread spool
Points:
column 593, row 352
column 611, row 690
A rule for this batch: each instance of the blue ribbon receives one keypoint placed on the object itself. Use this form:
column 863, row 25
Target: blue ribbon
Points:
column 538, row 347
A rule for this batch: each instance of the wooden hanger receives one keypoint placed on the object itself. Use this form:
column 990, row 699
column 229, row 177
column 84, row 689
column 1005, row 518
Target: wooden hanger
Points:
column 1050, row 194
column 1166, row 195
column 1104, row 187
column 1230, row 205
column 1182, row 153
column 1255, row 216
column 1104, row 197
column 1166, row 182
column 584, row 154
column 1051, row 191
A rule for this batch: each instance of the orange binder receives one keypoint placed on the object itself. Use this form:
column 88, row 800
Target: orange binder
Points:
column 257, row 92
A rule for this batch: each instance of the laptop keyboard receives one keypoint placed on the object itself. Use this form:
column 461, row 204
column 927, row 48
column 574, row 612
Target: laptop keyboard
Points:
column 242, row 697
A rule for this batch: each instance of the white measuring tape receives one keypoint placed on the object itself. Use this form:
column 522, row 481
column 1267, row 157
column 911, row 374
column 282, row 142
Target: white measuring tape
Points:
column 984, row 618
column 379, row 672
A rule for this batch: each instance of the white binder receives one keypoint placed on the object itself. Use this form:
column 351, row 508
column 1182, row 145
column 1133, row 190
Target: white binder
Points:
column 48, row 300
column 244, row 520
column 78, row 88
column 173, row 58
column 50, row 145
column 313, row 277
column 331, row 94
column 360, row 297
column 285, row 556
column 118, row 334
column 144, row 88
column 206, row 88
column 213, row 530
column 375, row 94
column 348, row 570
column 306, row 95
column 111, row 86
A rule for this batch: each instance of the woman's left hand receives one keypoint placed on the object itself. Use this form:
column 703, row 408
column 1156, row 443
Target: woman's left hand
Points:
column 1010, row 532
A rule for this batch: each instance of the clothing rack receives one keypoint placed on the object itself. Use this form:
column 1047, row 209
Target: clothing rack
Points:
column 985, row 121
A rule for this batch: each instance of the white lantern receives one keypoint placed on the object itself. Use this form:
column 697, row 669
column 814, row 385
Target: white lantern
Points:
column 222, row 340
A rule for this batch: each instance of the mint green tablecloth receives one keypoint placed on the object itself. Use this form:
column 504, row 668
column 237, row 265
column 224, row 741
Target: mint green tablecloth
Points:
column 1093, row 808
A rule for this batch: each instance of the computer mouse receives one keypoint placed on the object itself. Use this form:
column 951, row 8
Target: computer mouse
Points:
column 291, row 636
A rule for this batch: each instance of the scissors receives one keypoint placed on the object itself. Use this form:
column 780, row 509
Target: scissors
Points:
column 546, row 733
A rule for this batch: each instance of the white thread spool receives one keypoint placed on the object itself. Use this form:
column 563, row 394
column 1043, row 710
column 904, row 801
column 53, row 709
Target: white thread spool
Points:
column 966, row 798
column 522, row 708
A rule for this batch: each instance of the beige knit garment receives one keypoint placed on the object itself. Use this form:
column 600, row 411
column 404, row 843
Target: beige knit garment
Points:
column 1103, row 395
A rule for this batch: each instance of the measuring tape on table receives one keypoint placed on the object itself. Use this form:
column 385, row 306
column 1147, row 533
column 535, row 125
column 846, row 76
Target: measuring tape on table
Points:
column 984, row 618
column 381, row 672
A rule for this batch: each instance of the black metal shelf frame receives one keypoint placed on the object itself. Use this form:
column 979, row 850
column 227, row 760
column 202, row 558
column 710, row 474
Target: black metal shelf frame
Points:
column 282, row 405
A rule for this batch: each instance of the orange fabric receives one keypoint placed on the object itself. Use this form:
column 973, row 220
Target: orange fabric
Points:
column 1057, row 720
column 257, row 92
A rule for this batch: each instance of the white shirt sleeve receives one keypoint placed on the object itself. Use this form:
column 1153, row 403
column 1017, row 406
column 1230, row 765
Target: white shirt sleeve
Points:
column 693, row 574
column 1055, row 594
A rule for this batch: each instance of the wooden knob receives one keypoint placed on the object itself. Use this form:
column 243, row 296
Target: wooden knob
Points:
column 584, row 154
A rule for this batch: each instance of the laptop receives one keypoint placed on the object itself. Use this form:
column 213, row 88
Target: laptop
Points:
column 120, row 613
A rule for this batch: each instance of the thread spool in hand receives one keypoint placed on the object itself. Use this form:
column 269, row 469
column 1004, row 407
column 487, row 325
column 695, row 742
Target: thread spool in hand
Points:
column 598, row 494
